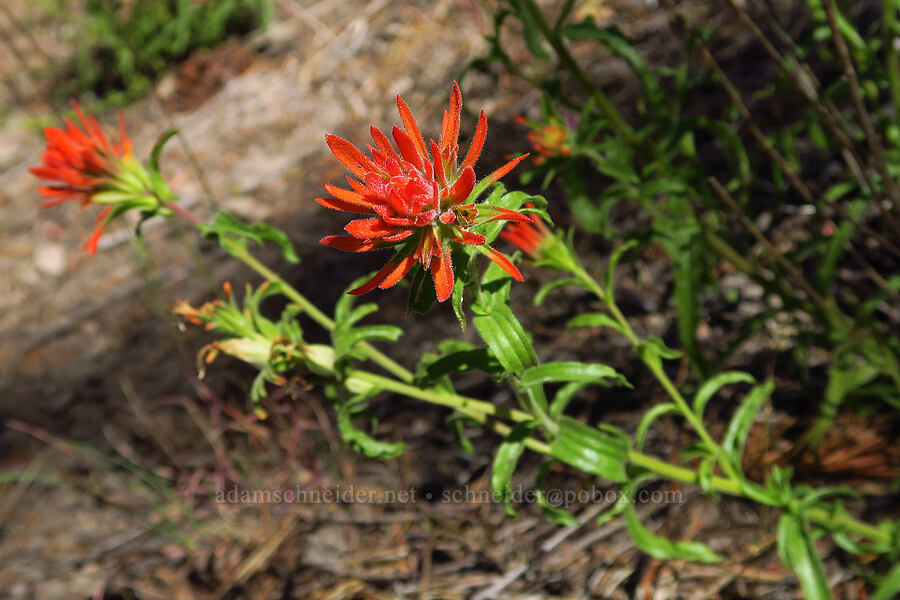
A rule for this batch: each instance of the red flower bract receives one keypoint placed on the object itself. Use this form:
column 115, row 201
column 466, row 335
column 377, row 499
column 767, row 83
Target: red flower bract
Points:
column 81, row 163
column 417, row 196
column 527, row 237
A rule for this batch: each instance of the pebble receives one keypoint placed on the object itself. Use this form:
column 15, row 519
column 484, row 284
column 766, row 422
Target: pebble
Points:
column 50, row 259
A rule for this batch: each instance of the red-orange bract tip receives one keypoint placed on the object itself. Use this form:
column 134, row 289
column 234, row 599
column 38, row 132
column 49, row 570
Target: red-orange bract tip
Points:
column 412, row 194
column 79, row 162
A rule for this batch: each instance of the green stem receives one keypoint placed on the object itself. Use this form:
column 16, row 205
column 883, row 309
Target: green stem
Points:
column 376, row 356
column 243, row 255
column 655, row 367
column 486, row 414
column 555, row 40
column 450, row 400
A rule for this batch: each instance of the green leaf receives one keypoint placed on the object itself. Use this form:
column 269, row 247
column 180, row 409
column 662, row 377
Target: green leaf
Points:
column 847, row 374
column 564, row 396
column 660, row 547
column 507, row 458
column 653, row 350
column 421, row 291
column 588, row 215
column 533, row 38
column 346, row 340
column 233, row 234
column 711, row 386
column 798, row 554
column 554, row 514
column 625, row 497
column 739, row 427
column 594, row 320
column 494, row 289
column 889, row 586
column 836, row 245
column 594, row 373
column 613, row 39
column 647, row 420
column 541, row 294
column 158, row 148
column 506, row 339
column 613, row 263
column 463, row 360
column 457, row 424
column 602, row 451
column 675, row 225
column 499, row 197
column 361, row 441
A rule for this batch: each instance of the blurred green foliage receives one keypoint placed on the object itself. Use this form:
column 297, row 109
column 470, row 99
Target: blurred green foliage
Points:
column 122, row 46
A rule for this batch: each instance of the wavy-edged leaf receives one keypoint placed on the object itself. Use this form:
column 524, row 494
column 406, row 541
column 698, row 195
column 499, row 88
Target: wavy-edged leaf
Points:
column 594, row 373
column 463, row 360
column 660, row 547
column 554, row 514
column 647, row 420
column 711, row 386
column 889, row 586
column 545, row 289
column 739, row 426
column 594, row 320
column 346, row 340
column 614, row 259
column 602, row 451
column 533, row 37
column 652, row 350
column 798, row 554
column 563, row 396
column 361, row 441
column 506, row 459
column 233, row 234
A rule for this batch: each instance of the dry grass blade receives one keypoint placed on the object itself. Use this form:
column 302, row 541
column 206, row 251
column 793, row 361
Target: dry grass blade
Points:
column 260, row 558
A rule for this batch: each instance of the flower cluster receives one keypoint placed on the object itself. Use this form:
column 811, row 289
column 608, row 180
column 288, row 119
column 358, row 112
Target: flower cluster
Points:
column 549, row 140
column 418, row 199
column 531, row 238
column 83, row 165
column 271, row 347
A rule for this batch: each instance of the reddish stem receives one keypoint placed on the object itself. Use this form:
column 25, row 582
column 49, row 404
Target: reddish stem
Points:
column 183, row 212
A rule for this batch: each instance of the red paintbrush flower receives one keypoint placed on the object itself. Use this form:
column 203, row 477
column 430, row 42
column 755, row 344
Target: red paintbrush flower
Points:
column 417, row 198
column 82, row 165
column 549, row 140
column 531, row 238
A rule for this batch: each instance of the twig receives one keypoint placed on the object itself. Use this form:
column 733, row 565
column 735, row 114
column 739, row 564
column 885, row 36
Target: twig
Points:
column 773, row 252
column 260, row 558
column 872, row 137
column 761, row 138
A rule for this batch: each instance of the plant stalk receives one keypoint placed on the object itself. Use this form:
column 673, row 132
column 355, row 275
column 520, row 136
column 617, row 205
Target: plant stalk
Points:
column 375, row 355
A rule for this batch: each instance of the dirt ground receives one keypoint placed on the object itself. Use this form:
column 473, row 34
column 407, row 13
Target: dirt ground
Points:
column 114, row 457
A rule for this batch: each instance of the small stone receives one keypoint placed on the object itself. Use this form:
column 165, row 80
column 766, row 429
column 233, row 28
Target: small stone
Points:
column 50, row 259
column 167, row 86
